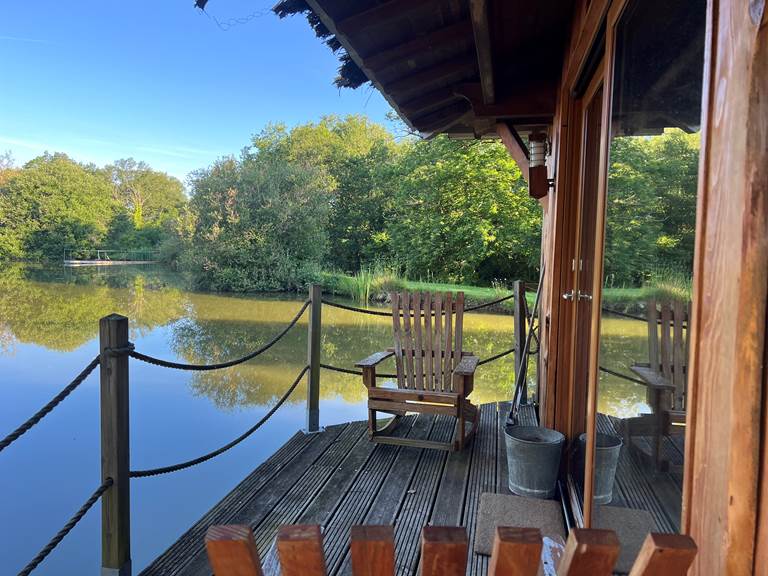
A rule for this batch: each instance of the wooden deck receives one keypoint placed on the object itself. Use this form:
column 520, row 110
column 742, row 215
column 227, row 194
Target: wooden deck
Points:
column 337, row 478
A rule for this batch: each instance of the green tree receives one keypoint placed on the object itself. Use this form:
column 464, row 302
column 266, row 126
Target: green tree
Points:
column 51, row 204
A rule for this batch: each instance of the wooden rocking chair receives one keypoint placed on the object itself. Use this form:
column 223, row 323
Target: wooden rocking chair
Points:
column 434, row 374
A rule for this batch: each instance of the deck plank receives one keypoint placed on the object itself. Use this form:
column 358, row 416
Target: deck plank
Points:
column 257, row 506
column 178, row 553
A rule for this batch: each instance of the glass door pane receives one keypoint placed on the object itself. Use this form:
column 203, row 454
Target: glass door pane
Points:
column 649, row 240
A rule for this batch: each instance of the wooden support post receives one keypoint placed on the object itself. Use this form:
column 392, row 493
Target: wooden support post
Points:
column 589, row 553
column 516, row 552
column 443, row 551
column 115, row 459
column 232, row 551
column 313, row 359
column 373, row 550
column 668, row 554
column 521, row 327
column 300, row 549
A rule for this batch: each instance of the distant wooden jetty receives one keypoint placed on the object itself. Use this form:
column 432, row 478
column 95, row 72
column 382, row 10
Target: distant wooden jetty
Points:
column 98, row 257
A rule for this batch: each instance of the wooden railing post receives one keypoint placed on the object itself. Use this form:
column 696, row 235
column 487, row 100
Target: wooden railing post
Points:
column 115, row 460
column 521, row 319
column 313, row 359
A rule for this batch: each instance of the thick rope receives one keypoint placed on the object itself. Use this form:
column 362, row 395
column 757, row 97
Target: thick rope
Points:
column 35, row 562
column 496, row 356
column 205, row 367
column 381, row 313
column 40, row 414
column 486, row 304
column 235, row 442
column 355, row 308
column 633, row 317
column 620, row 375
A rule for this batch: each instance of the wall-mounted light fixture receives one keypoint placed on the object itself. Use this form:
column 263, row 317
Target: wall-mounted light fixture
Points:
column 538, row 183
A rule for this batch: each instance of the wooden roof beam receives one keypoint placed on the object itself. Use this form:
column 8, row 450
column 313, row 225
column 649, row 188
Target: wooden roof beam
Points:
column 528, row 102
column 515, row 146
column 344, row 40
column 457, row 68
column 478, row 10
column 419, row 105
column 407, row 50
column 379, row 14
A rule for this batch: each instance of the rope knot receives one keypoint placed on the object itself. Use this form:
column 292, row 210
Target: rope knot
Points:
column 122, row 351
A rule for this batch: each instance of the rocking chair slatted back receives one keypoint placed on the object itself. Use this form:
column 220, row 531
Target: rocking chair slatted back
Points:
column 428, row 332
column 668, row 345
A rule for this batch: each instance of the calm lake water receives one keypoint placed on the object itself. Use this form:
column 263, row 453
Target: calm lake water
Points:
column 49, row 331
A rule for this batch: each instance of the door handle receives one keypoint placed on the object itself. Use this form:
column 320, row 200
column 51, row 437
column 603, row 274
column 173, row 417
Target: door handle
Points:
column 568, row 295
column 584, row 296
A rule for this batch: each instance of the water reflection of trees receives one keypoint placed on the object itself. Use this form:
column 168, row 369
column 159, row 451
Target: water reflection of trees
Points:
column 60, row 309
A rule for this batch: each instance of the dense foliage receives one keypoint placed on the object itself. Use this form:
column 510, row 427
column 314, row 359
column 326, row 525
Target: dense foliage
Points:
column 342, row 195
column 53, row 203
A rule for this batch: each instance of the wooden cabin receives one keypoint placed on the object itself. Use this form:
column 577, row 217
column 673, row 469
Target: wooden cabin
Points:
column 558, row 82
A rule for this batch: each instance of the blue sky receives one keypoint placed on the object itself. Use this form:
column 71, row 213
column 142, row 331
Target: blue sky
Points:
column 159, row 80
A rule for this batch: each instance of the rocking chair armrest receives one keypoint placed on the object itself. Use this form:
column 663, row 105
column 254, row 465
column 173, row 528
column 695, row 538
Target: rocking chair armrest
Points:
column 467, row 366
column 374, row 359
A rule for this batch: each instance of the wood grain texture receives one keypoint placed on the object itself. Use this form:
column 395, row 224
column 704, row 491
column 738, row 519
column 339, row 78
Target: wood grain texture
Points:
column 372, row 549
column 664, row 555
column 232, row 551
column 300, row 549
column 443, row 551
column 727, row 349
column 589, row 553
column 516, row 552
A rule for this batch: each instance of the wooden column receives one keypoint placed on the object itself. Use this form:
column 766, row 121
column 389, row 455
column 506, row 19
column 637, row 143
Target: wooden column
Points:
column 722, row 505
column 313, row 359
column 115, row 460
column 521, row 319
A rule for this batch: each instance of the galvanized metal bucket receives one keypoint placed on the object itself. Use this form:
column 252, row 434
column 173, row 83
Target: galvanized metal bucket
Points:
column 607, row 452
column 533, row 458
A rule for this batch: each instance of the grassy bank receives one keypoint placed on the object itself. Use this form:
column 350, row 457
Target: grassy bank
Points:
column 374, row 285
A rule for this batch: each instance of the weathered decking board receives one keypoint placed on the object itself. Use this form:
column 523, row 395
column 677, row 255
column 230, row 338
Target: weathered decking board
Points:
column 337, row 478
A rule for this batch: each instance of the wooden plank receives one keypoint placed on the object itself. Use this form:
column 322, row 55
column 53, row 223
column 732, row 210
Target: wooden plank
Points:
column 437, row 339
column 444, row 551
column 516, row 552
column 459, row 337
column 666, row 346
column 589, row 553
column 314, row 334
column 366, row 489
column 351, row 443
column 652, row 315
column 678, row 374
column 376, row 16
column 374, row 359
column 478, row 10
column 664, row 554
column 446, row 383
column 395, row 298
column 372, row 549
column 514, row 146
column 482, row 478
column 458, row 68
column 418, row 344
column 412, row 48
column 256, row 507
column 393, row 406
column 429, row 350
column 182, row 551
column 232, row 551
column 300, row 549
column 407, row 336
column 403, row 395
column 449, row 503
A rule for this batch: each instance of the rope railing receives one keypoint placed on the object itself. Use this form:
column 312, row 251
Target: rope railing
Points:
column 40, row 414
column 349, row 308
column 634, row 317
column 232, row 444
column 205, row 367
column 496, row 356
column 622, row 376
column 66, row 529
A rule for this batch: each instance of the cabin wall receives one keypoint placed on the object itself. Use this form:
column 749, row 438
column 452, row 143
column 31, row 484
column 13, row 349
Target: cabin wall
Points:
column 725, row 500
